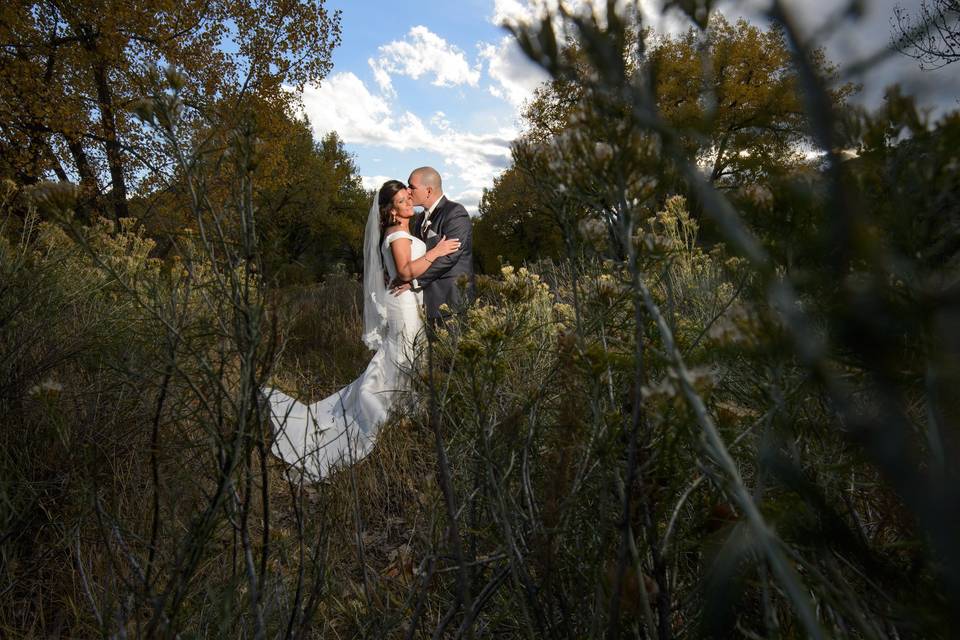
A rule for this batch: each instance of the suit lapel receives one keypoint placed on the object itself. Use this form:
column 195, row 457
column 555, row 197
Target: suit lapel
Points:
column 437, row 216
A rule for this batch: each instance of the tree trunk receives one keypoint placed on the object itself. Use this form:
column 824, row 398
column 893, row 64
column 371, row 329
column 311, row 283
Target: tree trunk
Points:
column 720, row 163
column 89, row 187
column 38, row 156
column 55, row 162
column 42, row 154
column 118, row 192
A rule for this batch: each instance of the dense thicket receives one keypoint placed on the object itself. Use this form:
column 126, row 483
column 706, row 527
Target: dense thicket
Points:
column 840, row 299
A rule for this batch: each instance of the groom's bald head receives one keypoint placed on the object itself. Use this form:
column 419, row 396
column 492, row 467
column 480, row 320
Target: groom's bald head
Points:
column 429, row 176
column 426, row 186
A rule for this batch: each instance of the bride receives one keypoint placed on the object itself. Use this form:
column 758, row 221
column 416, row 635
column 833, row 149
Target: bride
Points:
column 341, row 429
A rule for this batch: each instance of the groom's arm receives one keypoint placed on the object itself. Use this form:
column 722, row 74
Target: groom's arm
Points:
column 457, row 226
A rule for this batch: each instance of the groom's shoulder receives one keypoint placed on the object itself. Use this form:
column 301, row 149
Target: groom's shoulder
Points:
column 455, row 208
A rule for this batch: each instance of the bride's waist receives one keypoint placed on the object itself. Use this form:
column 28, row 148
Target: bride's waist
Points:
column 407, row 298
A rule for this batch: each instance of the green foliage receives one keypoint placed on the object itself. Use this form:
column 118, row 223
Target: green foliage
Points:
column 535, row 388
column 906, row 164
column 310, row 204
column 312, row 219
column 513, row 226
column 742, row 116
column 138, row 383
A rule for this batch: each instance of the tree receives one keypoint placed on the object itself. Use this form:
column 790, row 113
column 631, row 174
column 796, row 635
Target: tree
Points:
column 514, row 224
column 70, row 73
column 548, row 113
column 740, row 118
column 743, row 117
column 931, row 35
column 310, row 204
column 314, row 216
column 907, row 169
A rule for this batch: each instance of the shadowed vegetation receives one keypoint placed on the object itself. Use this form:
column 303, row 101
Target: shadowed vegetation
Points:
column 707, row 388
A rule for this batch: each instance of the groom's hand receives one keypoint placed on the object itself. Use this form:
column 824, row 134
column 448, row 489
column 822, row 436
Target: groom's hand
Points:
column 399, row 286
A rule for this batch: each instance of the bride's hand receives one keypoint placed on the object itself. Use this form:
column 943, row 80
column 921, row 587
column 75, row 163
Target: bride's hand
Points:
column 446, row 246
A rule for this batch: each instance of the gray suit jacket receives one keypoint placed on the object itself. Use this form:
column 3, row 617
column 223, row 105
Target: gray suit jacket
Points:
column 439, row 282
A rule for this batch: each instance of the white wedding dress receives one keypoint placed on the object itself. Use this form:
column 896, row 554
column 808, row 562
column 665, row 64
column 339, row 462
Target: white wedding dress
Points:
column 342, row 428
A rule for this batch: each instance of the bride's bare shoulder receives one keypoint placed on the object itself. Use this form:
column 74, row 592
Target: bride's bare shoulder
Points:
column 394, row 232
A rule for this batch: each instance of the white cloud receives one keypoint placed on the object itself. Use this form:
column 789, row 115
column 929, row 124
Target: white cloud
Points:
column 477, row 158
column 850, row 37
column 382, row 76
column 439, row 120
column 373, row 182
column 521, row 12
column 422, row 53
column 344, row 104
column 469, row 198
column 525, row 12
column 513, row 74
column 514, row 77
column 512, row 12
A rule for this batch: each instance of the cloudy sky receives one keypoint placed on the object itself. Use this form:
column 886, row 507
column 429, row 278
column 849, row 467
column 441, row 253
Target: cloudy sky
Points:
column 441, row 83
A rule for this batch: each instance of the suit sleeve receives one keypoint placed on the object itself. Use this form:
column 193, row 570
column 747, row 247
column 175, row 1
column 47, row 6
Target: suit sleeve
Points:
column 458, row 226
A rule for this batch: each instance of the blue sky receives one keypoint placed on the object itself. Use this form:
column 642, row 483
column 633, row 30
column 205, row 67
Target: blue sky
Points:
column 439, row 82
column 436, row 83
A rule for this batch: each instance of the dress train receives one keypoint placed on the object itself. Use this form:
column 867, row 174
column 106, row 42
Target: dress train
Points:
column 341, row 429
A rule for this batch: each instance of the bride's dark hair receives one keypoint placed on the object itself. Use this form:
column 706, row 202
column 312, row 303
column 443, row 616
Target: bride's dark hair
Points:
column 389, row 189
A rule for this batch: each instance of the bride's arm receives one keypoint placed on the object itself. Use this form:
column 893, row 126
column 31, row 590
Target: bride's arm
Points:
column 408, row 269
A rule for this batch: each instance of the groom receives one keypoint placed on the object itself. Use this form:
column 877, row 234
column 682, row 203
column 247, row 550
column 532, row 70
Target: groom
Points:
column 442, row 217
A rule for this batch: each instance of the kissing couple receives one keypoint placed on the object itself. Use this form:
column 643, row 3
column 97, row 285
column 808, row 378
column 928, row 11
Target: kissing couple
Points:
column 411, row 267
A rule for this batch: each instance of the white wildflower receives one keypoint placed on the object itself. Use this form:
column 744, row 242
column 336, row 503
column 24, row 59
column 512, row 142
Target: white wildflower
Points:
column 48, row 385
column 603, row 151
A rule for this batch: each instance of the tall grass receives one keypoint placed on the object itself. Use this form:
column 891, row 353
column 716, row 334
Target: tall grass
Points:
column 648, row 439
column 136, row 450
column 534, row 389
